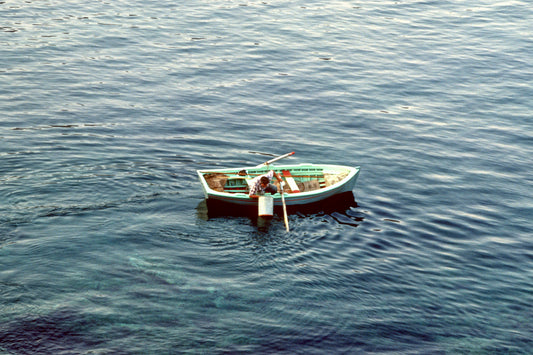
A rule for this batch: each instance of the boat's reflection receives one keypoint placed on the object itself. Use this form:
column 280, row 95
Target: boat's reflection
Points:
column 208, row 209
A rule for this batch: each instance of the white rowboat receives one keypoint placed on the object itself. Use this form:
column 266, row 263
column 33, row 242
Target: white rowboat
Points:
column 305, row 183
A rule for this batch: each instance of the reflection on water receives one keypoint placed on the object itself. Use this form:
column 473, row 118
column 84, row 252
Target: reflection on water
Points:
column 339, row 207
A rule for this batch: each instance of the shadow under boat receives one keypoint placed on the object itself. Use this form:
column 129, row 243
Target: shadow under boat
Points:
column 214, row 208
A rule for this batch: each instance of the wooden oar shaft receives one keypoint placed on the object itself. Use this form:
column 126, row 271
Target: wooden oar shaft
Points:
column 284, row 210
column 278, row 158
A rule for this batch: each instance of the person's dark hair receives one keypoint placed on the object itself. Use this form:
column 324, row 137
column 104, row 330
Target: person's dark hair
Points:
column 264, row 180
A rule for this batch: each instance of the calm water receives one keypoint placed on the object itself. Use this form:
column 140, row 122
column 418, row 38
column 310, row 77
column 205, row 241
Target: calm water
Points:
column 107, row 109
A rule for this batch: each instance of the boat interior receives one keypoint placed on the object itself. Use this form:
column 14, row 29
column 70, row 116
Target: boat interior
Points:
column 297, row 180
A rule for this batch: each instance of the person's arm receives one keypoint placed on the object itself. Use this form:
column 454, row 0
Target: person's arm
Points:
column 278, row 177
column 253, row 190
column 252, row 193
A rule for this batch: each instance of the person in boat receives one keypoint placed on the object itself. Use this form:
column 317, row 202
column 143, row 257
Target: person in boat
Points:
column 262, row 185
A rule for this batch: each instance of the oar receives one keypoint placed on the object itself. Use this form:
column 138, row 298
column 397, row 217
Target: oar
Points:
column 275, row 159
column 284, row 207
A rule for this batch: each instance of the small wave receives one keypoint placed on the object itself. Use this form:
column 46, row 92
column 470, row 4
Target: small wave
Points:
column 8, row 29
column 80, row 209
column 72, row 210
column 66, row 126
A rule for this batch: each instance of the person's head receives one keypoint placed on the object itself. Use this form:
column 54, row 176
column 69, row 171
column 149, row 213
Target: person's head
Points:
column 242, row 173
column 264, row 181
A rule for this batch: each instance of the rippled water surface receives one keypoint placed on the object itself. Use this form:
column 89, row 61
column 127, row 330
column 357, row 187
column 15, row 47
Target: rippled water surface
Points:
column 107, row 109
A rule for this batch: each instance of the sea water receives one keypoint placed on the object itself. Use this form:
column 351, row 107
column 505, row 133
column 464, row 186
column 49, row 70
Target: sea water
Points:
column 108, row 108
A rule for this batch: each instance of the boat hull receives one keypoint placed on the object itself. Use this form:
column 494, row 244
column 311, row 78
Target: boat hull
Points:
column 346, row 184
column 212, row 208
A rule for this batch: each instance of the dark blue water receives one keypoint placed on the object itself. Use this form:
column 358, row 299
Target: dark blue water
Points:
column 107, row 109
